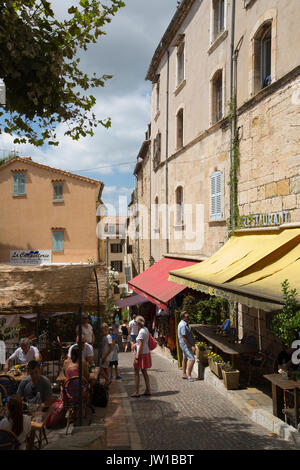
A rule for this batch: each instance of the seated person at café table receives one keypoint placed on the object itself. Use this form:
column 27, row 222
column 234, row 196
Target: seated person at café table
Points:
column 24, row 354
column 87, row 350
column 15, row 421
column 71, row 365
column 36, row 384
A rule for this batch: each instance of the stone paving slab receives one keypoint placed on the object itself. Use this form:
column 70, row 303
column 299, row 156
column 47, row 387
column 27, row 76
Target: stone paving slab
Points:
column 184, row 416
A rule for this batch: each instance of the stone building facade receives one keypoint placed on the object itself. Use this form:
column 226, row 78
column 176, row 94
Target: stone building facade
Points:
column 225, row 123
column 47, row 209
column 192, row 97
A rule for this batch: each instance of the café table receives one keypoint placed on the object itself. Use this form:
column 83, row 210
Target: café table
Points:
column 279, row 384
column 17, row 378
column 223, row 343
column 38, row 429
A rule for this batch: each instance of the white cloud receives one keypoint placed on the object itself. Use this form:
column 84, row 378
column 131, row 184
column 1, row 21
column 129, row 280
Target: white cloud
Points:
column 125, row 52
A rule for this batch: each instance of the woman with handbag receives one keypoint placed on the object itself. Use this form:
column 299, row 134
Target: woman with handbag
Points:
column 142, row 359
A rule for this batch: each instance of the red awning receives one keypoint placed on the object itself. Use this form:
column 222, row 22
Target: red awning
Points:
column 154, row 285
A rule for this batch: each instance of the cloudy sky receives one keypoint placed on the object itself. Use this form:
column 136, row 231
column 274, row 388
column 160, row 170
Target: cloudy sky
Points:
column 125, row 52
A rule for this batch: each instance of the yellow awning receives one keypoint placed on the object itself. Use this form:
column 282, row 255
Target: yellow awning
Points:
column 249, row 268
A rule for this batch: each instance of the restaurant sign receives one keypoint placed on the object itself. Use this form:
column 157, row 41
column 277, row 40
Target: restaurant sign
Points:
column 265, row 220
column 30, row 257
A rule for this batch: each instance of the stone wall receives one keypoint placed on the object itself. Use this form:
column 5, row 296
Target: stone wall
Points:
column 269, row 176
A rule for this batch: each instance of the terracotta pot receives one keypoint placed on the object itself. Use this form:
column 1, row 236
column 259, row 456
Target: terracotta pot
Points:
column 231, row 379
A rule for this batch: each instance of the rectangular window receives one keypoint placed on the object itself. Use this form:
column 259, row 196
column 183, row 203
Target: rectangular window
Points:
column 179, row 135
column 58, row 194
column 180, row 63
column 157, row 97
column 116, row 248
column 19, row 184
column 117, row 266
column 216, row 196
column 129, row 249
column 157, row 150
column 218, row 18
column 116, row 287
column 58, row 240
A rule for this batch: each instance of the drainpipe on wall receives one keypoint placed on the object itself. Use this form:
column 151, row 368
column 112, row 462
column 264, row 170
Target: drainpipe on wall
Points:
column 150, row 211
column 137, row 215
column 167, row 151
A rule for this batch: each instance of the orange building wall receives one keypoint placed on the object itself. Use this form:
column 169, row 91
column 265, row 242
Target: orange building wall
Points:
column 26, row 222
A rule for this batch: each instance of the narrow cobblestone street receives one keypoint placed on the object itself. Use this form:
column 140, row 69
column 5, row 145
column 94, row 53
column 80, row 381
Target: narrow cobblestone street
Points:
column 188, row 416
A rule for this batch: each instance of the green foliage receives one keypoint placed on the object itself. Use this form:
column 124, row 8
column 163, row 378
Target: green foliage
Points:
column 8, row 332
column 286, row 323
column 110, row 308
column 233, row 180
column 227, row 367
column 211, row 311
column 202, row 346
column 40, row 68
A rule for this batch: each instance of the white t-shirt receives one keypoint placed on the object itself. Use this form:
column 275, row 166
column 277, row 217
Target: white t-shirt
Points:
column 134, row 329
column 22, row 358
column 106, row 341
column 7, row 424
column 87, row 351
column 87, row 332
column 144, row 335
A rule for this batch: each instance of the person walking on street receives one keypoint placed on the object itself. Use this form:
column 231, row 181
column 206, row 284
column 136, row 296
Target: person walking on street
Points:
column 87, row 329
column 114, row 360
column 187, row 345
column 107, row 346
column 133, row 327
column 125, row 335
column 142, row 359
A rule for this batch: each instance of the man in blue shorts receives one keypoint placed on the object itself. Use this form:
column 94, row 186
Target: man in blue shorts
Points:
column 187, row 345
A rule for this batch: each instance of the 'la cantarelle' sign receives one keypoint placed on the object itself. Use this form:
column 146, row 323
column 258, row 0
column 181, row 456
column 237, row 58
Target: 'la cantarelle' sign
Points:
column 265, row 220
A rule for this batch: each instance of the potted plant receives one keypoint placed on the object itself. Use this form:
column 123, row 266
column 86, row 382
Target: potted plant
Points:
column 296, row 375
column 215, row 362
column 231, row 376
column 202, row 351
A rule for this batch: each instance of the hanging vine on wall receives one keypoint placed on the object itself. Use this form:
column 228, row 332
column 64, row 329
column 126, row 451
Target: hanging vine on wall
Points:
column 234, row 168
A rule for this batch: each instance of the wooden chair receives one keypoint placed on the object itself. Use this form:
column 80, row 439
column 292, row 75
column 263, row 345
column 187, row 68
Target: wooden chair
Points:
column 8, row 440
column 9, row 383
column 256, row 365
column 71, row 398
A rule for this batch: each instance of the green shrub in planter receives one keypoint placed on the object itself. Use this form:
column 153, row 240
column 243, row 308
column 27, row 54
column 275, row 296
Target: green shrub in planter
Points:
column 231, row 376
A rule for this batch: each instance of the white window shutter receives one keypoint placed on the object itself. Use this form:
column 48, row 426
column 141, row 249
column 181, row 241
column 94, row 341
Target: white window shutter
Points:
column 212, row 196
column 216, row 196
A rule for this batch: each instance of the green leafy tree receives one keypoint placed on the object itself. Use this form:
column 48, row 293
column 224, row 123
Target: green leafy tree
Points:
column 286, row 324
column 39, row 64
column 110, row 307
column 8, row 332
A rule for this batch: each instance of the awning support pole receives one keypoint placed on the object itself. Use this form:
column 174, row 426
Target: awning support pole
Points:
column 80, row 363
column 98, row 310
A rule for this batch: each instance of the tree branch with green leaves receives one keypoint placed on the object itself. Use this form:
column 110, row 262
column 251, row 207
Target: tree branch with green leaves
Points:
column 39, row 65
